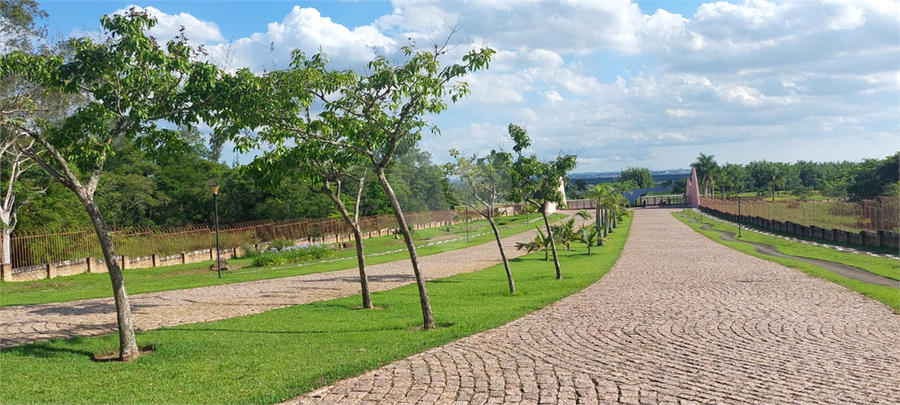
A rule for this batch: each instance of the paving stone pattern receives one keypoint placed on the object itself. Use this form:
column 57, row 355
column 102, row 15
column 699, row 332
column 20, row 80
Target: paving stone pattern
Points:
column 30, row 323
column 680, row 319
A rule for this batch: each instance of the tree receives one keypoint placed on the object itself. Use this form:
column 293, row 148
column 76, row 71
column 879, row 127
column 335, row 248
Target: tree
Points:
column 619, row 201
column 706, row 167
column 540, row 242
column 130, row 83
column 487, row 181
column 374, row 115
column 564, row 233
column 733, row 176
column 19, row 24
column 538, row 183
column 588, row 236
column 584, row 215
column 875, row 177
column 641, row 177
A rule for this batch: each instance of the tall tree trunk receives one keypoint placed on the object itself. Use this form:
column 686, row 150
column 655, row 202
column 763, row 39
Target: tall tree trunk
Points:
column 427, row 317
column 552, row 243
column 615, row 218
column 509, row 277
column 599, row 225
column 6, row 248
column 128, row 349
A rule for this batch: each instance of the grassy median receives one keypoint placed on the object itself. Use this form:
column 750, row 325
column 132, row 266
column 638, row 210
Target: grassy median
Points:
column 277, row 355
column 886, row 267
column 139, row 281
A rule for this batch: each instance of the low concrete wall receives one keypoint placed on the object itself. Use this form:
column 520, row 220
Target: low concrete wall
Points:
column 93, row 265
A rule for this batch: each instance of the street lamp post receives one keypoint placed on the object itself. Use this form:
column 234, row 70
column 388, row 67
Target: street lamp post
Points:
column 740, row 218
column 215, row 190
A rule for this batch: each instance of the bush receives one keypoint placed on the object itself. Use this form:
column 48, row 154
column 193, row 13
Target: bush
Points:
column 292, row 254
column 280, row 244
column 249, row 252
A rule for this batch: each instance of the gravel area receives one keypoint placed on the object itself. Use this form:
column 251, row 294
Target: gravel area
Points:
column 680, row 319
column 30, row 323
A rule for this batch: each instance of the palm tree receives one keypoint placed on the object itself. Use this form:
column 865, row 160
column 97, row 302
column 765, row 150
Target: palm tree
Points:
column 604, row 196
column 589, row 234
column 777, row 177
column 564, row 233
column 540, row 242
column 705, row 166
column 584, row 215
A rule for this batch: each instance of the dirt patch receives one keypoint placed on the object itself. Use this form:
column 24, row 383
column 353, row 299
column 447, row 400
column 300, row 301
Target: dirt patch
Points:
column 374, row 308
column 113, row 355
column 437, row 326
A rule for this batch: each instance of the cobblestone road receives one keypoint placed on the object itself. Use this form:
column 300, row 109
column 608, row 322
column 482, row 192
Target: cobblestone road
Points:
column 30, row 323
column 679, row 320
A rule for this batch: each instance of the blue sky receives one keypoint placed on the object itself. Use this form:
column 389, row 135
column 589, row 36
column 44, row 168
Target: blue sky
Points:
column 620, row 83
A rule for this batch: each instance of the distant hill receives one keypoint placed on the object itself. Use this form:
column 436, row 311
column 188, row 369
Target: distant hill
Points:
column 659, row 176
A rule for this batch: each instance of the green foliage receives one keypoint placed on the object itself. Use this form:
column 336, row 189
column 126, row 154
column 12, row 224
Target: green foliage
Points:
column 19, row 23
column 486, row 179
column 639, row 175
column 286, row 253
column 876, row 178
column 564, row 233
column 588, row 235
column 533, row 181
column 865, row 180
column 540, row 242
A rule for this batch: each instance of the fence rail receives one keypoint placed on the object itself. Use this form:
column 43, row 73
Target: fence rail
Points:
column 882, row 214
column 37, row 247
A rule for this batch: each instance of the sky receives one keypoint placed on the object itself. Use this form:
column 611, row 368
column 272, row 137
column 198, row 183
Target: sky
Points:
column 619, row 83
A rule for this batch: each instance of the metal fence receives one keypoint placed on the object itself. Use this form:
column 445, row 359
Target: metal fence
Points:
column 33, row 247
column 882, row 214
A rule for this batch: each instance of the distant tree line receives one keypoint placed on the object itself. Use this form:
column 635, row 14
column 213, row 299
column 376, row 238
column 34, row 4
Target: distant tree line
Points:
column 162, row 191
column 868, row 179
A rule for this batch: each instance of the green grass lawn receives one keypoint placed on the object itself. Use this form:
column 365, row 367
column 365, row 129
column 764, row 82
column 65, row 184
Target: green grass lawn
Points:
column 139, row 281
column 890, row 268
column 277, row 355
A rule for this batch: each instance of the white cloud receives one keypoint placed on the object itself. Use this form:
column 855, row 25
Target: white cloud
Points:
column 305, row 29
column 167, row 27
column 736, row 80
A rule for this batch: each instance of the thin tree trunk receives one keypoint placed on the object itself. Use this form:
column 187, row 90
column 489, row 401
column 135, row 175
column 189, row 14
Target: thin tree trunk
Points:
column 509, row 277
column 599, row 225
column 128, row 349
column 427, row 317
column 615, row 218
column 361, row 260
column 6, row 252
column 552, row 243
column 360, row 254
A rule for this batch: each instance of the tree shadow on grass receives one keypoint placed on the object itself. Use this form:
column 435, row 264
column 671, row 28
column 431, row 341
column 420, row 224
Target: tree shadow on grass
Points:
column 48, row 350
column 290, row 332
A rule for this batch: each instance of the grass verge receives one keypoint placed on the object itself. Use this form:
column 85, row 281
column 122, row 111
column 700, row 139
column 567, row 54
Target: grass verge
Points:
column 148, row 280
column 277, row 355
column 890, row 268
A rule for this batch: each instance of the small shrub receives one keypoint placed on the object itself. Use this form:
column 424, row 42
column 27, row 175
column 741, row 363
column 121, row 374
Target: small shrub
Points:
column 280, row 244
column 294, row 254
column 249, row 252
